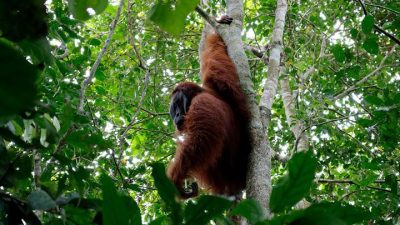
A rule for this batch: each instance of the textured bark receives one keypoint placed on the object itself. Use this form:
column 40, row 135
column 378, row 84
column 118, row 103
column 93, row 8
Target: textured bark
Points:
column 296, row 126
column 259, row 174
column 37, row 170
column 271, row 85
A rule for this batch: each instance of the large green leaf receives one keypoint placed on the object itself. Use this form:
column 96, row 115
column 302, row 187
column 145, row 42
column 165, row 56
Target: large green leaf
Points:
column 170, row 15
column 338, row 53
column 41, row 200
column 17, row 82
column 79, row 8
column 249, row 209
column 373, row 99
column 167, row 192
column 367, row 24
column 205, row 209
column 371, row 45
column 324, row 213
column 39, row 50
column 296, row 184
column 118, row 209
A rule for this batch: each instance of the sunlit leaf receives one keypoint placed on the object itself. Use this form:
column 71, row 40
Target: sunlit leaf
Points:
column 79, row 8
column 170, row 16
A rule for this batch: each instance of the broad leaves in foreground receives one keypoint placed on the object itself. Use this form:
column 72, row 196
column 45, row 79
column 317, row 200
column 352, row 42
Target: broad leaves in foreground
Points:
column 324, row 213
column 79, row 8
column 295, row 184
column 118, row 208
column 196, row 212
column 17, row 81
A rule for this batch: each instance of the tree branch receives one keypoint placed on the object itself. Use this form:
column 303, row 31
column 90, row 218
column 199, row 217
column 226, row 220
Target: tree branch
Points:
column 89, row 79
column 142, row 65
column 352, row 88
column 258, row 178
column 392, row 37
column 329, row 181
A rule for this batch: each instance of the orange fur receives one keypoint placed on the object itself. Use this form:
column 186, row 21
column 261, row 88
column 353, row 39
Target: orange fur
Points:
column 217, row 145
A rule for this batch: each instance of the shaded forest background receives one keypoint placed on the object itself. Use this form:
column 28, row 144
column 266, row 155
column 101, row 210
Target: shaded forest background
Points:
column 84, row 127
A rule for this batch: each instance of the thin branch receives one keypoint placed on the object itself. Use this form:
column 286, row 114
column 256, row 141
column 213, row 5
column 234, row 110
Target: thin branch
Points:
column 256, row 51
column 391, row 36
column 345, row 181
column 142, row 65
column 352, row 88
column 37, row 169
column 116, row 164
column 382, row 7
column 89, row 79
column 318, row 124
column 206, row 17
column 354, row 183
column 58, row 148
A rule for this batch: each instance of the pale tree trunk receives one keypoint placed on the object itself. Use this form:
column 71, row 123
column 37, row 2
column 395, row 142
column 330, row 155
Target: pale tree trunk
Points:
column 295, row 125
column 259, row 174
column 271, row 84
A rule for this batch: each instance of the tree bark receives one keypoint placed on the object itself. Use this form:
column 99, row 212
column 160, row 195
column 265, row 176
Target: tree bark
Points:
column 271, row 84
column 295, row 125
column 259, row 173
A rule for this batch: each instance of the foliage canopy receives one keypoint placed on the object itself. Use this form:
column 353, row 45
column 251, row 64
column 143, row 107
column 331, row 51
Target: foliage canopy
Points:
column 62, row 166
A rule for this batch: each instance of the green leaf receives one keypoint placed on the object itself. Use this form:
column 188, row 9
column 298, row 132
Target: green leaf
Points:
column 367, row 179
column 391, row 180
column 95, row 42
column 371, row 45
column 114, row 204
column 296, row 184
column 323, row 213
column 40, row 200
column 86, row 140
column 332, row 213
column 354, row 33
column 365, row 122
column 132, row 209
column 367, row 24
column 373, row 100
column 338, row 53
column 79, row 8
column 17, row 82
column 250, row 210
column 167, row 192
column 38, row 49
column 205, row 209
column 169, row 17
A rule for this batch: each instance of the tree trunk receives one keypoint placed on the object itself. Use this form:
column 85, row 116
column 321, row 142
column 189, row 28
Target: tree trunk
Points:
column 259, row 174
